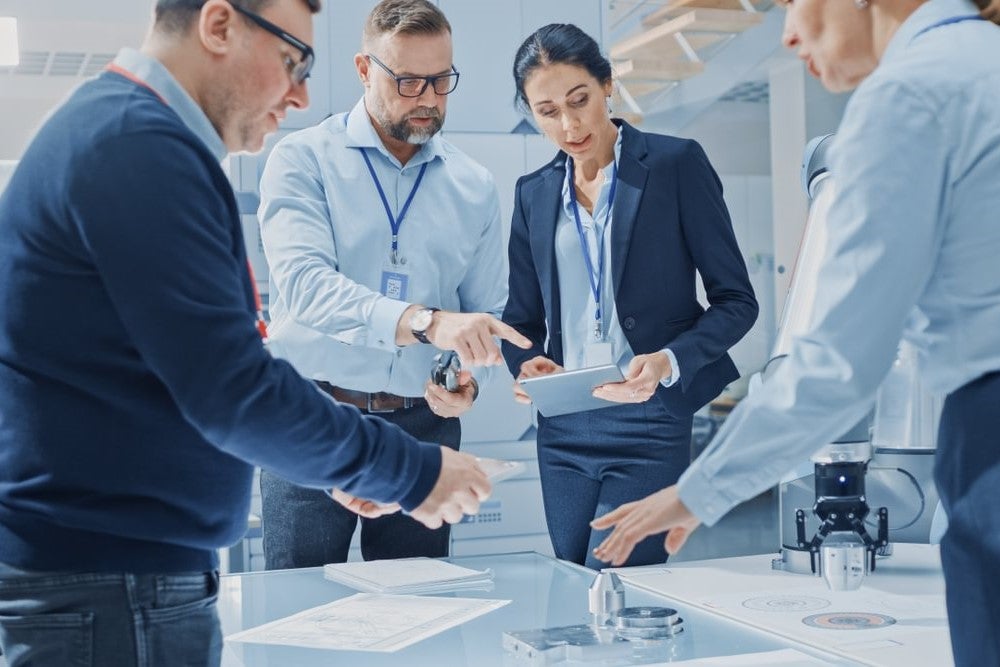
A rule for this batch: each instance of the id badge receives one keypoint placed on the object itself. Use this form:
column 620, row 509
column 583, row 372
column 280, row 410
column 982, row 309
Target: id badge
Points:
column 395, row 281
column 597, row 354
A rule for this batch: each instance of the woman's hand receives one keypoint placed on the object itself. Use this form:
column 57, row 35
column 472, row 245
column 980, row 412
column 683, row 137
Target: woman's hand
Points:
column 533, row 368
column 633, row 522
column 643, row 377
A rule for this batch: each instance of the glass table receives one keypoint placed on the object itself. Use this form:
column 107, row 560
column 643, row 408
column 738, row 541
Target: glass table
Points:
column 544, row 592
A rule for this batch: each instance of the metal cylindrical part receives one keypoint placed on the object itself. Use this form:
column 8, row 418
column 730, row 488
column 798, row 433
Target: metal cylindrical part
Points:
column 647, row 623
column 843, row 562
column 605, row 597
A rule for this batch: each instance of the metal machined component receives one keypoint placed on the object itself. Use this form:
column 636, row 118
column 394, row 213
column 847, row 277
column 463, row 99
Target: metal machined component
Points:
column 843, row 561
column 647, row 623
column 605, row 597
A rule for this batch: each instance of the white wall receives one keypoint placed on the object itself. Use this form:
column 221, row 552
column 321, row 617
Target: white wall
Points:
column 6, row 169
column 59, row 26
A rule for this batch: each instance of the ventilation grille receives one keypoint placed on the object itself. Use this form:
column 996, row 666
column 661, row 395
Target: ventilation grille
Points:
column 59, row 63
column 754, row 92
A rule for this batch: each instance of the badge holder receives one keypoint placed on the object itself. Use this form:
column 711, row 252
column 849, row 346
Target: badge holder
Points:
column 395, row 280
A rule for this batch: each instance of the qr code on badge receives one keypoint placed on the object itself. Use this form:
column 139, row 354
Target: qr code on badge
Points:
column 394, row 288
column 394, row 285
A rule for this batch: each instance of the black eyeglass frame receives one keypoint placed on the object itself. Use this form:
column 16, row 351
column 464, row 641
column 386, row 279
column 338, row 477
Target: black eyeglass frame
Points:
column 431, row 81
column 303, row 68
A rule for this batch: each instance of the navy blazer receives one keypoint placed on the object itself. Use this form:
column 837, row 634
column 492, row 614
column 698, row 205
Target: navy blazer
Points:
column 669, row 221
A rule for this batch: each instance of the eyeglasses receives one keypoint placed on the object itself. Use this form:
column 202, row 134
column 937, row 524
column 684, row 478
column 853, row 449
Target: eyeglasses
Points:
column 299, row 71
column 414, row 86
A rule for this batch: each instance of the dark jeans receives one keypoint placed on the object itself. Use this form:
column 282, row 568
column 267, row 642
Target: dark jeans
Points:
column 967, row 473
column 592, row 462
column 306, row 528
column 109, row 620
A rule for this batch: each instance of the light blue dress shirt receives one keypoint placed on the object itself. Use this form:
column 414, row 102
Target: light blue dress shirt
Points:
column 327, row 240
column 914, row 242
column 577, row 303
column 156, row 76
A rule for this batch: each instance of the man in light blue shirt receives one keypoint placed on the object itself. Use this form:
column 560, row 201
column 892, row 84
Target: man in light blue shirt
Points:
column 385, row 247
column 914, row 237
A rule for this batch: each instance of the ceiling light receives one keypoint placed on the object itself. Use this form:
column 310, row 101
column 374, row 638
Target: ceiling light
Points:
column 10, row 54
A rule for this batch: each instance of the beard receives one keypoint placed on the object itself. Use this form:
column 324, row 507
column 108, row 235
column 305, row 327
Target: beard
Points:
column 401, row 130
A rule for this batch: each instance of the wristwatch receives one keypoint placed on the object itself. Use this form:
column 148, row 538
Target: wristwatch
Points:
column 420, row 322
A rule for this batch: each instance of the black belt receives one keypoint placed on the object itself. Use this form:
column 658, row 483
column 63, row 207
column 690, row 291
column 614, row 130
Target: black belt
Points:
column 376, row 402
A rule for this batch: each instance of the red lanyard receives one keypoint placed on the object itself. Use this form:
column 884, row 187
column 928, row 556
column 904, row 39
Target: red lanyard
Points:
column 261, row 322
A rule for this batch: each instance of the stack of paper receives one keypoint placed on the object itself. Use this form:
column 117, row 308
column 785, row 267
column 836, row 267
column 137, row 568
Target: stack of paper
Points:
column 364, row 622
column 411, row 576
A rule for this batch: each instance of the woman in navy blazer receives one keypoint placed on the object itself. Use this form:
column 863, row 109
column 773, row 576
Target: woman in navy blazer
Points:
column 606, row 241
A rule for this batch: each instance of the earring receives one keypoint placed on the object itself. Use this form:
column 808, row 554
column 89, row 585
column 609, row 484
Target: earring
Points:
column 861, row 4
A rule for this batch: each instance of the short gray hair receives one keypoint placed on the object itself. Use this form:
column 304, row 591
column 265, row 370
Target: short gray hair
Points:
column 406, row 17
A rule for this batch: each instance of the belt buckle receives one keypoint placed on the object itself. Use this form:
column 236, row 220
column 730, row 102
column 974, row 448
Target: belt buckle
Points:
column 376, row 411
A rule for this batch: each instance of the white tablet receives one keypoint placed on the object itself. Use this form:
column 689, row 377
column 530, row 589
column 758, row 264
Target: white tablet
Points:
column 570, row 391
column 497, row 470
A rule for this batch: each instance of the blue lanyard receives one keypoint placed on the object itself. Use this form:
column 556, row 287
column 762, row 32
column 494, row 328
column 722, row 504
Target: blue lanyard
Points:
column 394, row 222
column 949, row 21
column 596, row 284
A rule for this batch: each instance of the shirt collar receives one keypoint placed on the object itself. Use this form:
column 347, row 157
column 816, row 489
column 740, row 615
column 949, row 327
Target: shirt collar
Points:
column 925, row 16
column 152, row 72
column 361, row 134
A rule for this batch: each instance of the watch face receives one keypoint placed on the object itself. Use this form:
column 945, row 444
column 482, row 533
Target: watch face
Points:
column 421, row 319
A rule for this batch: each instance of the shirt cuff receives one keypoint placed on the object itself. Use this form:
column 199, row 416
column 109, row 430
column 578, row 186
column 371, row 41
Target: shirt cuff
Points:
column 482, row 374
column 675, row 371
column 702, row 497
column 385, row 318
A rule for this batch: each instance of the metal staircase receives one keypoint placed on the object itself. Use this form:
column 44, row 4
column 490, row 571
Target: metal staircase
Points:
column 659, row 49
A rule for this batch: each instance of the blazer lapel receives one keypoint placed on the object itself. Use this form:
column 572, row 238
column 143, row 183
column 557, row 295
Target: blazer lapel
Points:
column 547, row 200
column 632, row 175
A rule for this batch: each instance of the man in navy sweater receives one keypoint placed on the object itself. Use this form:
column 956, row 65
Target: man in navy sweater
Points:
column 136, row 395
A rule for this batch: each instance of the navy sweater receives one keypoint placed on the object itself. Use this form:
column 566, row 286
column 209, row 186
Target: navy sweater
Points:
column 135, row 393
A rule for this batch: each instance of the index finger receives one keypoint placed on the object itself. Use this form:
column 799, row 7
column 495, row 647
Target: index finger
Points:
column 509, row 334
column 612, row 517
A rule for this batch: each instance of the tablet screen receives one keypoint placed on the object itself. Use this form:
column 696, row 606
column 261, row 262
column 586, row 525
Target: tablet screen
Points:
column 570, row 391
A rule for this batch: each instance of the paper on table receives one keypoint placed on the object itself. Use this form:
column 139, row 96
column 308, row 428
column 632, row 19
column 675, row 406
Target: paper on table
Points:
column 407, row 575
column 365, row 622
